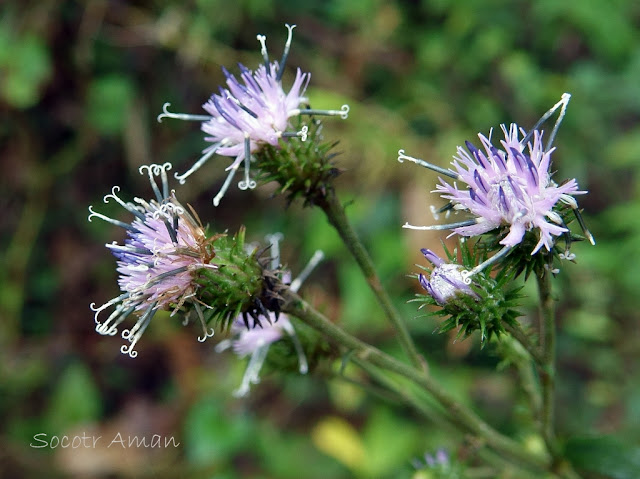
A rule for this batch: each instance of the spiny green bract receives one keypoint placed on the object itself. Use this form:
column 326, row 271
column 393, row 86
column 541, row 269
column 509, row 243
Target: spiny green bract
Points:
column 520, row 260
column 236, row 286
column 301, row 168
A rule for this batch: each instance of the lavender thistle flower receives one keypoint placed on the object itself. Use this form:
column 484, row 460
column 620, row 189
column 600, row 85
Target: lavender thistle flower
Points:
column 157, row 263
column 251, row 113
column 509, row 187
column 255, row 341
column 446, row 280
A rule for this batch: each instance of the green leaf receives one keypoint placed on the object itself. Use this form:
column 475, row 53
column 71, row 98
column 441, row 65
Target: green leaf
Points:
column 604, row 455
column 211, row 435
column 109, row 99
column 25, row 67
column 75, row 399
column 386, row 449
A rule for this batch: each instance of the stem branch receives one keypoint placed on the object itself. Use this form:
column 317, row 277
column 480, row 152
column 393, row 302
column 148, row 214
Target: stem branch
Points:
column 338, row 219
column 296, row 306
column 522, row 337
column 547, row 370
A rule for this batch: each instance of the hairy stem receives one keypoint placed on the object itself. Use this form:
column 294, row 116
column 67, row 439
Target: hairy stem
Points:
column 405, row 395
column 464, row 416
column 547, row 369
column 338, row 219
column 522, row 337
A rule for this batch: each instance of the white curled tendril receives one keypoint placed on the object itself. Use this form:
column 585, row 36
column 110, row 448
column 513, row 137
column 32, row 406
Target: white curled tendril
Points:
column 180, row 116
column 113, row 195
column 207, row 332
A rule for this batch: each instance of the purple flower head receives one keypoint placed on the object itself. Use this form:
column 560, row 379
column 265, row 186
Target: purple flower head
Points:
column 254, row 110
column 257, row 109
column 509, row 186
column 164, row 249
column 446, row 280
column 247, row 341
column 255, row 341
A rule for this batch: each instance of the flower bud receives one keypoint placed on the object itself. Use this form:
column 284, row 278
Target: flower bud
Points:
column 446, row 281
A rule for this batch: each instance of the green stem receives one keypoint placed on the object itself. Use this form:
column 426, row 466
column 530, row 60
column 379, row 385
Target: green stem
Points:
column 338, row 219
column 519, row 335
column 547, row 370
column 403, row 393
column 295, row 306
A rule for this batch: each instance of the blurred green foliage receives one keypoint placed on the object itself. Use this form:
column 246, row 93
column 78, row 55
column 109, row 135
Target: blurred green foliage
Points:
column 81, row 83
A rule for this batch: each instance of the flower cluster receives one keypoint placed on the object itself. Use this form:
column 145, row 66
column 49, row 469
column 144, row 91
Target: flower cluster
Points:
column 511, row 187
column 508, row 189
column 512, row 200
column 252, row 112
column 158, row 262
column 168, row 262
column 255, row 340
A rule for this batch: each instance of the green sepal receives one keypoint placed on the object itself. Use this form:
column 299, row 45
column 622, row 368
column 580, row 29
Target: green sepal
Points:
column 302, row 169
column 520, row 260
column 234, row 285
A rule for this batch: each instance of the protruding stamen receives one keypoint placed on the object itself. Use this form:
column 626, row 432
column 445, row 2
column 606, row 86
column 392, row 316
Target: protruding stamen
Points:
column 449, row 226
column 223, row 345
column 225, row 186
column 285, row 53
column 129, row 333
column 302, row 134
column 306, row 271
column 551, row 269
column 240, row 105
column 263, row 50
column 444, row 209
column 93, row 214
column 180, row 116
column 151, row 169
column 569, row 200
column 175, row 223
column 173, row 233
column 196, row 166
column 247, row 183
column 207, row 333
column 223, row 110
column 437, row 169
column 111, row 302
column 163, row 177
column 141, row 325
column 583, row 225
column 556, row 218
column 251, row 375
column 342, row 113
column 466, row 275
column 302, row 358
column 564, row 101
column 274, row 243
column 128, row 249
column 110, row 327
column 130, row 208
column 162, row 276
column 567, row 256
